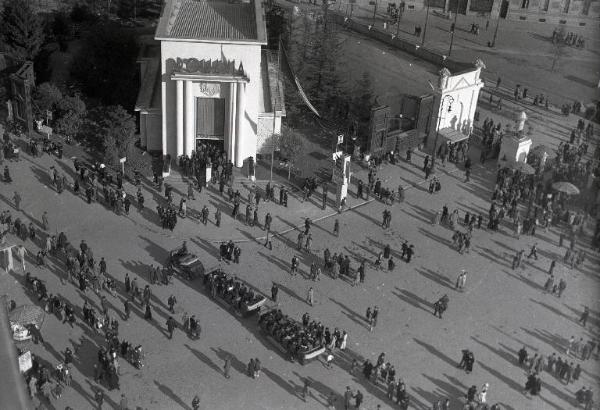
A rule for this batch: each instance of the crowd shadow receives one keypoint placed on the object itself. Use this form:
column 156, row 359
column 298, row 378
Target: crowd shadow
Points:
column 171, row 394
column 412, row 299
column 350, row 314
column 553, row 310
column 236, row 363
column 278, row 380
column 204, row 359
column 509, row 357
column 436, row 277
column 435, row 352
column 557, row 342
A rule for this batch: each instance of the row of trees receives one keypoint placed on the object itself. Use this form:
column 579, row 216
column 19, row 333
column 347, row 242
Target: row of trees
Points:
column 315, row 50
column 108, row 129
column 103, row 75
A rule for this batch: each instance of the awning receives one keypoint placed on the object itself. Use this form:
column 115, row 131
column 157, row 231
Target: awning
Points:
column 452, row 135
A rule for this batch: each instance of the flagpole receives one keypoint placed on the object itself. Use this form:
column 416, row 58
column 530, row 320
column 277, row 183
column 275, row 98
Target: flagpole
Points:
column 275, row 110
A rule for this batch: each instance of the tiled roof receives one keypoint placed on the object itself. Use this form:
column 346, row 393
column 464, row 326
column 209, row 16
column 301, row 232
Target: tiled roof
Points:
column 213, row 19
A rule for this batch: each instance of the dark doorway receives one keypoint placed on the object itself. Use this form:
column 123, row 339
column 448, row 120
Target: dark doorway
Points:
column 210, row 118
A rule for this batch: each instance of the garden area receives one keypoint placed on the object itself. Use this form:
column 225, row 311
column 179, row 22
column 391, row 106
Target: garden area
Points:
column 86, row 74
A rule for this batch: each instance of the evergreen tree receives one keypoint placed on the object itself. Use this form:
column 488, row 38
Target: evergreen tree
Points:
column 106, row 65
column 22, row 30
column 314, row 55
column 111, row 129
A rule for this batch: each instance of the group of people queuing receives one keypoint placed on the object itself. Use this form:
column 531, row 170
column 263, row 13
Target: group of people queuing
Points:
column 562, row 368
column 382, row 374
column 569, row 39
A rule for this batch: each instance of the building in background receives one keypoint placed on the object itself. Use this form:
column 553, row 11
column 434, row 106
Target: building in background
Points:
column 207, row 79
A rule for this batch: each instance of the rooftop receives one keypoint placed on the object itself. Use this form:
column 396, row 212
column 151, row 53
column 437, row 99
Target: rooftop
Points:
column 212, row 20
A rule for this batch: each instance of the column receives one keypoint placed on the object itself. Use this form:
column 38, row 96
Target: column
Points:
column 143, row 133
column 232, row 121
column 164, row 117
column 179, row 108
column 190, row 116
column 241, row 120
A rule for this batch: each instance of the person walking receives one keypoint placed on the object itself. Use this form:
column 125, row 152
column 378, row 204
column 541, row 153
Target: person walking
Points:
column 171, row 302
column 552, row 266
column 336, row 228
column 308, row 244
column 227, row 366
column 347, row 398
column 127, row 308
column 196, row 402
column 461, row 280
column 45, row 223
column 17, row 200
column 306, row 388
column 584, row 316
column 310, row 296
column 171, row 326
column 274, row 291
column 533, row 252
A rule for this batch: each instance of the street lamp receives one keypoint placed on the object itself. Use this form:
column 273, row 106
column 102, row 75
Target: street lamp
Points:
column 493, row 43
column 437, row 129
column 426, row 20
column 453, row 28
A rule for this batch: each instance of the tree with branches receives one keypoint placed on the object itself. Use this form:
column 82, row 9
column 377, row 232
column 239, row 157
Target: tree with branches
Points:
column 111, row 129
column 22, row 30
column 291, row 146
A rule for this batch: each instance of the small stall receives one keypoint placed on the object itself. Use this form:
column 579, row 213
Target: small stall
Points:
column 23, row 316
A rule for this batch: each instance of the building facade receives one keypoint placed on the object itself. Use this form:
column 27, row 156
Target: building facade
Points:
column 454, row 104
column 206, row 80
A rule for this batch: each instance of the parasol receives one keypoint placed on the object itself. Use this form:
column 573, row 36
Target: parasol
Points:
column 565, row 187
column 26, row 315
column 522, row 167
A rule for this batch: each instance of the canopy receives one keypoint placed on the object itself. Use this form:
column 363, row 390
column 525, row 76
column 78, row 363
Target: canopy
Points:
column 26, row 315
column 565, row 187
column 452, row 135
column 518, row 166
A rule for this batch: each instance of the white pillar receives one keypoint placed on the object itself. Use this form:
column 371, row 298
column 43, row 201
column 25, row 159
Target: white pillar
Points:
column 232, row 121
column 179, row 107
column 241, row 120
column 190, row 116
column 164, row 117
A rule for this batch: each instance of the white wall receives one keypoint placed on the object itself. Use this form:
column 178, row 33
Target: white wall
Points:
column 464, row 89
column 248, row 54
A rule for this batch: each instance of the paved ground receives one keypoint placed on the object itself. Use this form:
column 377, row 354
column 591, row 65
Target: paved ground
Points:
column 523, row 52
column 500, row 311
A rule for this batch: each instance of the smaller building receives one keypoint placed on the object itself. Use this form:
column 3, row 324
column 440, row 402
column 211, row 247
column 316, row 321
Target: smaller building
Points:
column 454, row 105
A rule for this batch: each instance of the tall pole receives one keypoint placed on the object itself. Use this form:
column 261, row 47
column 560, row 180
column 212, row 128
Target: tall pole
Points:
column 453, row 28
column 426, row 20
column 275, row 110
column 374, row 11
column 495, row 33
column 437, row 128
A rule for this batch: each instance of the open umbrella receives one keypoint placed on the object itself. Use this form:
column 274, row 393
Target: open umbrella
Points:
column 27, row 315
column 522, row 167
column 565, row 187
